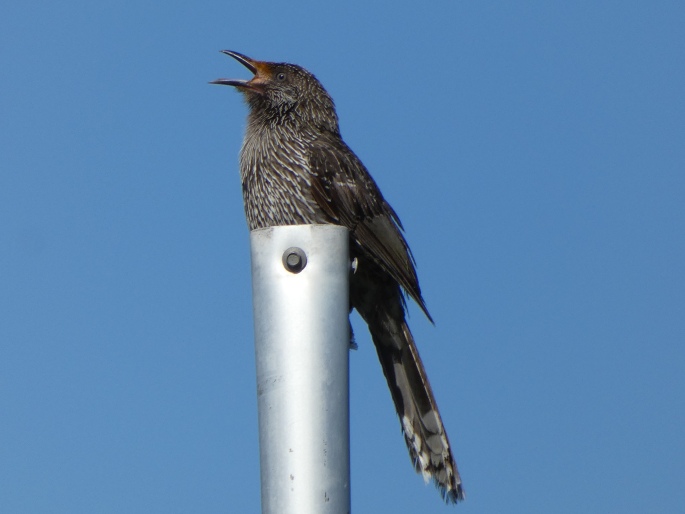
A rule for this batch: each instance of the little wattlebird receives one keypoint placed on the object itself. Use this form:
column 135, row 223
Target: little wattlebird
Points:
column 296, row 169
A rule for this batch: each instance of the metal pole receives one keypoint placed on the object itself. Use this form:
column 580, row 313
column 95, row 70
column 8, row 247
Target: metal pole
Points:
column 300, row 282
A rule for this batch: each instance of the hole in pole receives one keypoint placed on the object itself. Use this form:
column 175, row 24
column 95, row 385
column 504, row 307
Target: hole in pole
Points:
column 294, row 259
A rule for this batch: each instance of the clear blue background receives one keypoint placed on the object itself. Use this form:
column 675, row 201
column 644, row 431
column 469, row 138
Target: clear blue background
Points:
column 536, row 154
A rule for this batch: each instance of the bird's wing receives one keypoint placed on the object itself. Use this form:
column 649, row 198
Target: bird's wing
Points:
column 346, row 192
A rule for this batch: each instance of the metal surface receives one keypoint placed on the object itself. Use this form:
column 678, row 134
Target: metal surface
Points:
column 301, row 344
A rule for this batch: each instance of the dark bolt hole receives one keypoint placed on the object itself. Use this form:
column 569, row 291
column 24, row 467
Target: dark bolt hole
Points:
column 294, row 259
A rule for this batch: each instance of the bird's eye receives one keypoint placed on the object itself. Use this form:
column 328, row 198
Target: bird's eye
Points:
column 280, row 76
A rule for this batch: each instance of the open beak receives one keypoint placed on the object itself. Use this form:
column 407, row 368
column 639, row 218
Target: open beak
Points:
column 258, row 68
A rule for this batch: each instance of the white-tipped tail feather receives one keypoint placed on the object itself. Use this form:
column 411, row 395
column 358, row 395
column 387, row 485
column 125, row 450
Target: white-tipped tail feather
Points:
column 424, row 432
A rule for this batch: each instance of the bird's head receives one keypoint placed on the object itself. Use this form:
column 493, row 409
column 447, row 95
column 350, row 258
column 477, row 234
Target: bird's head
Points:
column 282, row 93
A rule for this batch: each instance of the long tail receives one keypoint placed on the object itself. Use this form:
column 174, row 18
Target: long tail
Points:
column 422, row 425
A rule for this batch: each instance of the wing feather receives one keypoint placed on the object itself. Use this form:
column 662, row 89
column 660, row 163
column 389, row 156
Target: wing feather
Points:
column 346, row 192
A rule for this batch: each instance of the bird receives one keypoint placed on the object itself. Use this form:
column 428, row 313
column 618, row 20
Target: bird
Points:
column 296, row 169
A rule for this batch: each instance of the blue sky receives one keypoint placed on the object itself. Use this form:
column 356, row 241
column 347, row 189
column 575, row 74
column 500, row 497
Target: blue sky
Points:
column 535, row 153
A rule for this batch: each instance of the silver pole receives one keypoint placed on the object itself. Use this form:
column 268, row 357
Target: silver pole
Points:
column 300, row 281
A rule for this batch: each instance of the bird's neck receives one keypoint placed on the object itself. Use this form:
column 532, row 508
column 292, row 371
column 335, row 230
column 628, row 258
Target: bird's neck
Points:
column 299, row 120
